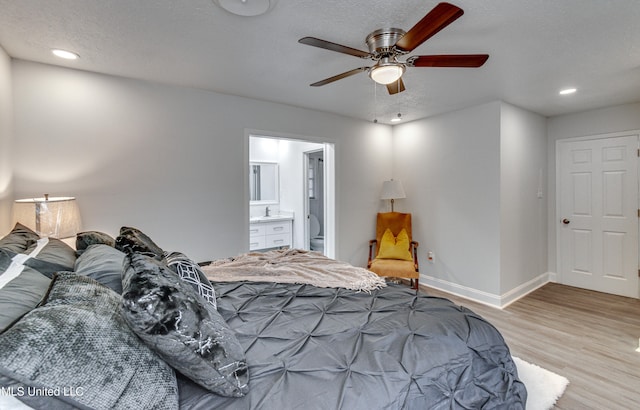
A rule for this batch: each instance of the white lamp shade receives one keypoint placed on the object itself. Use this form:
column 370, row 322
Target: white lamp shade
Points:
column 392, row 189
column 52, row 217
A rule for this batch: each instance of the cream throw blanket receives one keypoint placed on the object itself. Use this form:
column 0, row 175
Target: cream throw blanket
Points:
column 293, row 266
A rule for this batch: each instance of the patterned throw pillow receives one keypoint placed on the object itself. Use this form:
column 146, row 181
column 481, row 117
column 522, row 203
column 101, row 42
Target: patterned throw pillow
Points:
column 78, row 347
column 181, row 327
column 190, row 272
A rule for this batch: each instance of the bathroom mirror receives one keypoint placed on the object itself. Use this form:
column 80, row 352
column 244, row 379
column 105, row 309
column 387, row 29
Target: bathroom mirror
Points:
column 263, row 183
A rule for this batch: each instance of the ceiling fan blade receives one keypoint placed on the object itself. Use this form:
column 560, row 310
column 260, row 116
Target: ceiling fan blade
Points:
column 396, row 86
column 316, row 42
column 440, row 17
column 452, row 60
column 339, row 76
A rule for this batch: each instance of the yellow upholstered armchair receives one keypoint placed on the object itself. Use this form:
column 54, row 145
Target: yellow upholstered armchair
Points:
column 393, row 253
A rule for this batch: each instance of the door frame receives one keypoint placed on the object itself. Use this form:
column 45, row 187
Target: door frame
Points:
column 558, row 210
column 307, row 209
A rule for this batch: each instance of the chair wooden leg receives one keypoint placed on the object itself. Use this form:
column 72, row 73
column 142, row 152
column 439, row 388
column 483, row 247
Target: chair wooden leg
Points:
column 415, row 284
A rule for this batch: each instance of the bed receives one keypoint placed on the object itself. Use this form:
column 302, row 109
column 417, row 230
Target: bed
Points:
column 334, row 338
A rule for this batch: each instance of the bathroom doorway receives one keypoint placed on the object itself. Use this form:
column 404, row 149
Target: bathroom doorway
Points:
column 289, row 154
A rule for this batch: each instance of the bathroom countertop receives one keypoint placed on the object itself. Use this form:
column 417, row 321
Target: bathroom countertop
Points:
column 270, row 218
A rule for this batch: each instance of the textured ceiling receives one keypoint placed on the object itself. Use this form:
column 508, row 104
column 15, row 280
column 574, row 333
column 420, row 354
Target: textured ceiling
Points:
column 536, row 47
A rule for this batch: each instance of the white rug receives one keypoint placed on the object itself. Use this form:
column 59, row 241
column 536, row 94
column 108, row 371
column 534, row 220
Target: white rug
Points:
column 544, row 387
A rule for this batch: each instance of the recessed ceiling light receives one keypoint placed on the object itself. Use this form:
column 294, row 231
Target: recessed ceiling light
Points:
column 397, row 119
column 68, row 55
column 567, row 91
column 246, row 8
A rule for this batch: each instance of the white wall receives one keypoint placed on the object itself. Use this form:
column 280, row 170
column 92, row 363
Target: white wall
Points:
column 171, row 161
column 450, row 168
column 602, row 121
column 523, row 206
column 472, row 179
column 6, row 136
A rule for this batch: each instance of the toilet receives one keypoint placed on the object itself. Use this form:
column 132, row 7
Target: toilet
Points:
column 317, row 241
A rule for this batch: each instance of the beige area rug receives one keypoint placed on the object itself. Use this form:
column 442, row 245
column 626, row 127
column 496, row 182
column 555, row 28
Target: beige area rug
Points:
column 544, row 387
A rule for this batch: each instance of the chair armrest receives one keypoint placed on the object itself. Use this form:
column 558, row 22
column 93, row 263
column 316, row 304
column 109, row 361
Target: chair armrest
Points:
column 413, row 248
column 372, row 242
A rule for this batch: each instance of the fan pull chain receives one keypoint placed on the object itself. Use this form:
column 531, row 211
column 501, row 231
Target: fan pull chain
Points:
column 375, row 103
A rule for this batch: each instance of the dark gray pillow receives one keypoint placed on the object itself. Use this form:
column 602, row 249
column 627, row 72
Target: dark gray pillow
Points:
column 184, row 329
column 78, row 346
column 88, row 238
column 19, row 239
column 102, row 263
column 134, row 240
column 21, row 289
column 190, row 272
column 53, row 250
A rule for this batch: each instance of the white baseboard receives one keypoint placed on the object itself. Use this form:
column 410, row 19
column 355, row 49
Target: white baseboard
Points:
column 490, row 299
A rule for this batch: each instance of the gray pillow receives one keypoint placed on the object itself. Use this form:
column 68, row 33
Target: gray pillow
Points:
column 190, row 272
column 88, row 238
column 21, row 289
column 78, row 346
column 184, row 329
column 102, row 263
column 19, row 239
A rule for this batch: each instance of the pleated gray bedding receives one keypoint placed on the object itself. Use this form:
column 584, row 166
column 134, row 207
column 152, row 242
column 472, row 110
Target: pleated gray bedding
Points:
column 323, row 348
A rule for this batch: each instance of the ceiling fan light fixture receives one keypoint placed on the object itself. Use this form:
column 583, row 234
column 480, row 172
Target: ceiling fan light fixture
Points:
column 386, row 73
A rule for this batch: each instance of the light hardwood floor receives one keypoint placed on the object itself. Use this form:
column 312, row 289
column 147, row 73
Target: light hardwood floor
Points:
column 588, row 337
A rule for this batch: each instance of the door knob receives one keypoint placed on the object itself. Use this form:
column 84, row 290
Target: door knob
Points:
column 566, row 221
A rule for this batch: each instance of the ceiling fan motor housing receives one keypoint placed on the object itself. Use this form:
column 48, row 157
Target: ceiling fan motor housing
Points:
column 382, row 42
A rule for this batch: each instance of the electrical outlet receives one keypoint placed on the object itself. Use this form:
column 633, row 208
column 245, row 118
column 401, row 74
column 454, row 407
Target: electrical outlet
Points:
column 431, row 257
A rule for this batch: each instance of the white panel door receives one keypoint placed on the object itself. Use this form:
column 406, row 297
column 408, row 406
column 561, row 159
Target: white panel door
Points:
column 598, row 194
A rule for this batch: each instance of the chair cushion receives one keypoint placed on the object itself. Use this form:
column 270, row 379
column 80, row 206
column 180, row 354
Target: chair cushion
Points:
column 392, row 247
column 394, row 268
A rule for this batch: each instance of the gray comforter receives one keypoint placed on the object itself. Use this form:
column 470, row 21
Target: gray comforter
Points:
column 321, row 348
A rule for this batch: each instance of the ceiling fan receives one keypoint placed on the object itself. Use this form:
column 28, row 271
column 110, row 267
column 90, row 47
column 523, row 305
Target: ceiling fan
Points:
column 387, row 44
